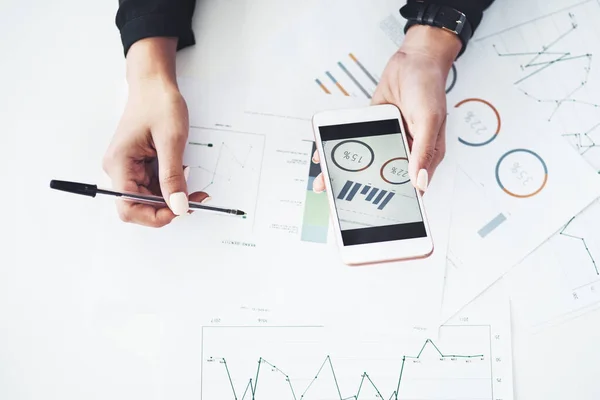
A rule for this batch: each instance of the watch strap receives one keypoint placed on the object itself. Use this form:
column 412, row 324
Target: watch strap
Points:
column 441, row 16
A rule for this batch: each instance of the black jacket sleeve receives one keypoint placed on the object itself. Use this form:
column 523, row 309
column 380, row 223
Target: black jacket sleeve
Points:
column 139, row 19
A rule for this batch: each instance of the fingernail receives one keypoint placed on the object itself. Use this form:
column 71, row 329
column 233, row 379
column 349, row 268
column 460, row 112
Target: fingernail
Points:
column 422, row 180
column 206, row 200
column 317, row 190
column 186, row 173
column 179, row 203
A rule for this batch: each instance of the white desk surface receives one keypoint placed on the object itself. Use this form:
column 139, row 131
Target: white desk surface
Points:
column 62, row 92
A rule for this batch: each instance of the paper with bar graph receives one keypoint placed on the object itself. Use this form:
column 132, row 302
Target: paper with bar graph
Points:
column 309, row 56
column 471, row 359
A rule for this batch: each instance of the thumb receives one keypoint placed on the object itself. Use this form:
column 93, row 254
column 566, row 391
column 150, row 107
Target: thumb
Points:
column 424, row 132
column 171, row 173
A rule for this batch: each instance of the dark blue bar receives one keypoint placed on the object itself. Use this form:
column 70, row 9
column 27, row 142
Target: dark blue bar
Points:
column 345, row 190
column 354, row 191
column 387, row 200
column 331, row 77
column 373, row 193
column 379, row 197
column 365, row 189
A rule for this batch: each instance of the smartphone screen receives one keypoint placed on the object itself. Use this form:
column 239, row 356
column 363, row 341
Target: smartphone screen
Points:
column 368, row 171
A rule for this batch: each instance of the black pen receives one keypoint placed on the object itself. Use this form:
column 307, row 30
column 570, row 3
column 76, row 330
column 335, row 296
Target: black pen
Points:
column 87, row 189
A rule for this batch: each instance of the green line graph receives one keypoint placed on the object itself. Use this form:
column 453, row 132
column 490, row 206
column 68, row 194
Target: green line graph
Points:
column 227, row 173
column 582, row 239
column 251, row 388
column 549, row 56
column 584, row 142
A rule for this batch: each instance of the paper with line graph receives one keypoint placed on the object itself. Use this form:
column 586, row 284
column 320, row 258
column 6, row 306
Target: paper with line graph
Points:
column 566, row 270
column 553, row 61
column 520, row 181
column 510, row 197
column 471, row 359
column 237, row 166
column 551, row 58
column 243, row 161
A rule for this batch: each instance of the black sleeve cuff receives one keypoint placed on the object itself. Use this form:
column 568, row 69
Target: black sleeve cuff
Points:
column 157, row 25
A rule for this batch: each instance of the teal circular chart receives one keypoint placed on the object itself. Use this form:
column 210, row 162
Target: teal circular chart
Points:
column 521, row 169
column 352, row 155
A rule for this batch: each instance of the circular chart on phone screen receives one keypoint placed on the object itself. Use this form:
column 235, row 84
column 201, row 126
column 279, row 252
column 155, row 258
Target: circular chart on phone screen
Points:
column 395, row 171
column 352, row 155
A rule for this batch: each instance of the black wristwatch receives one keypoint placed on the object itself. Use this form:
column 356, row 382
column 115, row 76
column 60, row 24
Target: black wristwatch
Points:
column 447, row 18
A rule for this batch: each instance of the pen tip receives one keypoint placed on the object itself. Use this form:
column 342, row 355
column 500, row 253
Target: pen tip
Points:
column 238, row 212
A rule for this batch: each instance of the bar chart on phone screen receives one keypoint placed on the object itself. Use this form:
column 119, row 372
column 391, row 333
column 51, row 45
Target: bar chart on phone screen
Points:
column 558, row 45
column 471, row 359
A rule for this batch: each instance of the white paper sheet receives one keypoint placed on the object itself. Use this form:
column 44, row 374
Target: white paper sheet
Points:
column 264, row 156
column 521, row 182
column 471, row 359
column 565, row 271
column 549, row 52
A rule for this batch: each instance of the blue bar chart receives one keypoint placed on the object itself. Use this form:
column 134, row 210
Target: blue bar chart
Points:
column 378, row 197
column 357, row 80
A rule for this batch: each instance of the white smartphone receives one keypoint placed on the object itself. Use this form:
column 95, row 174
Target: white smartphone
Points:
column 377, row 213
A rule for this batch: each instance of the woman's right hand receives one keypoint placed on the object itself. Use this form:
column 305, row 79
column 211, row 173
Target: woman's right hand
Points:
column 146, row 152
column 415, row 81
